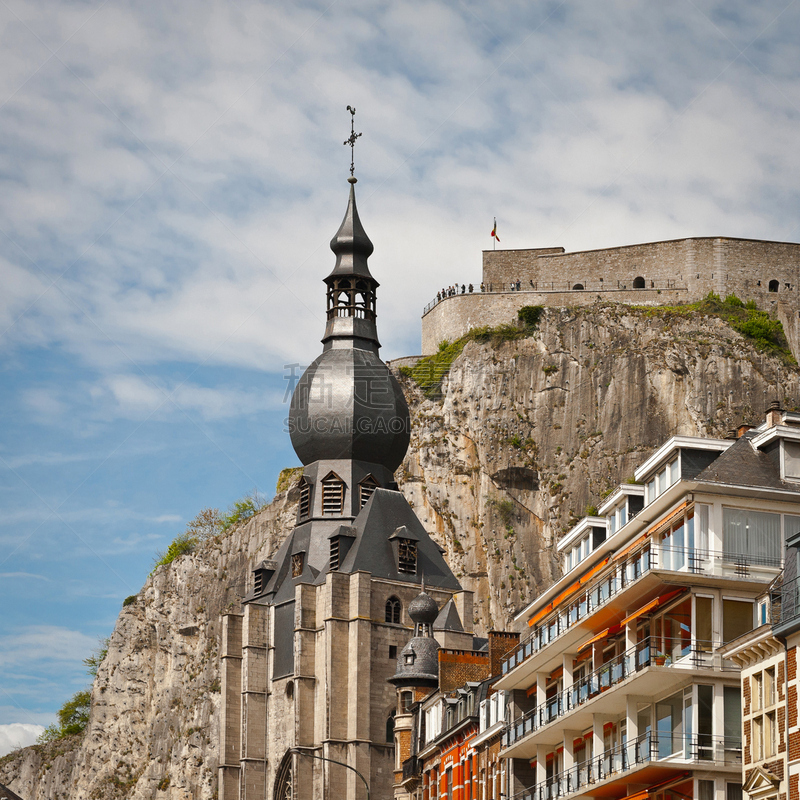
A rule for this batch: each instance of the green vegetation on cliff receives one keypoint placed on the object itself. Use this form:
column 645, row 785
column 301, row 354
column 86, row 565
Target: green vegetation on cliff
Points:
column 429, row 372
column 756, row 326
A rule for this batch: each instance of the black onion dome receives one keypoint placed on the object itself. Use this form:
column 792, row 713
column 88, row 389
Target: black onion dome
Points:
column 418, row 663
column 349, row 405
column 423, row 609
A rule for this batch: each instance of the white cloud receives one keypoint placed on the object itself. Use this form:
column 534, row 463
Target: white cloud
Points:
column 18, row 734
column 49, row 645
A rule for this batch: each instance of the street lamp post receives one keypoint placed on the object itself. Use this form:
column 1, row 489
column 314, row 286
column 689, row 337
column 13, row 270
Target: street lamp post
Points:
column 299, row 752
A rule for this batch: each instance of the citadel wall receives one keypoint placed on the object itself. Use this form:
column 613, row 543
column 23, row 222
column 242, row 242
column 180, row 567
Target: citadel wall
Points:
column 655, row 273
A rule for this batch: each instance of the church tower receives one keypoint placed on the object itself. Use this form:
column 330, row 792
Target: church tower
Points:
column 307, row 708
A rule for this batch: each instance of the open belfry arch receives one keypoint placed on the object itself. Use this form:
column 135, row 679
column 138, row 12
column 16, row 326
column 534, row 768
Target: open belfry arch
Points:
column 305, row 665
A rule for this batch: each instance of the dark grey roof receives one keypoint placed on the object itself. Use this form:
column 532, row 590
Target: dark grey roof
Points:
column 424, row 667
column 743, row 465
column 348, row 405
column 351, row 244
column 371, row 550
column 423, row 609
column 385, row 512
column 448, row 619
column 7, row 794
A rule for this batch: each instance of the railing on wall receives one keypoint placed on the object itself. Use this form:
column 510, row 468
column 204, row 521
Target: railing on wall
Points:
column 697, row 749
column 648, row 557
column 550, row 286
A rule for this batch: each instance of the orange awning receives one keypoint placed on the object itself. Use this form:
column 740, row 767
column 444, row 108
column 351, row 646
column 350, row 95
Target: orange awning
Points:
column 669, row 516
column 568, row 592
column 632, row 546
column 652, row 604
column 602, row 635
column 644, row 794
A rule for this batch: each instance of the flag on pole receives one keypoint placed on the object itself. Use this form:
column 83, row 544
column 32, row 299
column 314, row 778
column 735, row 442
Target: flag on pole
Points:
column 494, row 231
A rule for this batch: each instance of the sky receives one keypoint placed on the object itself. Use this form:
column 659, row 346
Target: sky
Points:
column 171, row 174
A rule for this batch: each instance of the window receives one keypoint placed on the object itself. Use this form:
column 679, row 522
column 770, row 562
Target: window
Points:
column 733, row 791
column 449, row 784
column 407, row 556
column 390, row 727
column 737, row 619
column 305, row 498
column 332, row 494
column 392, row 651
column 335, row 552
column 763, row 731
column 393, row 609
column 258, row 583
column 297, row 565
column 773, row 287
column 366, row 489
column 751, row 537
column 406, row 701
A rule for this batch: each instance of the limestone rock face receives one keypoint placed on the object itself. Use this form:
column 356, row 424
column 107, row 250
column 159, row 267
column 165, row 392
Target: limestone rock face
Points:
column 531, row 432
column 526, row 435
column 153, row 727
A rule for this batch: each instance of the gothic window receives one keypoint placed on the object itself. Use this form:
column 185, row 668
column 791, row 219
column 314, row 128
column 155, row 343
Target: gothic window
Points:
column 638, row 282
column 390, row 727
column 305, row 498
column 407, row 556
column 284, row 780
column 335, row 552
column 297, row 565
column 393, row 609
column 332, row 494
column 366, row 489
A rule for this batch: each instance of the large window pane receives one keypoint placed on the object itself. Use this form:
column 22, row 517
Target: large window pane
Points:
column 732, row 719
column 751, row 536
column 702, row 617
column 737, row 618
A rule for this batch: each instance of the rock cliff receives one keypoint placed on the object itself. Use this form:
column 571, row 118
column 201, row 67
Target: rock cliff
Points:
column 527, row 433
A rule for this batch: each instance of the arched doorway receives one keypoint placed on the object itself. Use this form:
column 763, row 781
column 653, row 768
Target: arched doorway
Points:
column 773, row 286
column 638, row 282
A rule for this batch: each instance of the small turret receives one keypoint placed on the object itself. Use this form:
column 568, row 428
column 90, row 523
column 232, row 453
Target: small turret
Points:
column 418, row 664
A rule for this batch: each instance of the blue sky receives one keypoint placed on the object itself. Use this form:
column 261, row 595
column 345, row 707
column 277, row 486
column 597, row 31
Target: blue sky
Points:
column 171, row 175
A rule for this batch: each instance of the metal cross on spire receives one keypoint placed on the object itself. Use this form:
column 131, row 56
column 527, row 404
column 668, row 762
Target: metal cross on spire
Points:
column 352, row 140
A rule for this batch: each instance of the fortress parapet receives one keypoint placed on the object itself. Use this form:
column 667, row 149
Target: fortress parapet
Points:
column 655, row 273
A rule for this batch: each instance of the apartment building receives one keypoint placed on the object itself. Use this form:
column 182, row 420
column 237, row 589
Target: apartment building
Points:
column 622, row 687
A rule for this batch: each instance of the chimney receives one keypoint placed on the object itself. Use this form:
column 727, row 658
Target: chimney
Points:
column 500, row 643
column 742, row 430
column 774, row 414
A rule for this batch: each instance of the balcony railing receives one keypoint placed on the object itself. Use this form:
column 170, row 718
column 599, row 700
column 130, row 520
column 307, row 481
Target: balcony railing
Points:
column 412, row 769
column 789, row 594
column 648, row 557
column 681, row 653
column 649, row 747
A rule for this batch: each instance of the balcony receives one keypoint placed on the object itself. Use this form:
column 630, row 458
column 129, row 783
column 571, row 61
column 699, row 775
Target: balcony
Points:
column 572, row 614
column 412, row 770
column 649, row 668
column 786, row 607
column 665, row 752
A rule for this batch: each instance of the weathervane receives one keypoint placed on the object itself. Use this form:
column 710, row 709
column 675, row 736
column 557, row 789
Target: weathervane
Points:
column 352, row 140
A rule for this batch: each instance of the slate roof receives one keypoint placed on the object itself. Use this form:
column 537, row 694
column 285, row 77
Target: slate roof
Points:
column 743, row 465
column 7, row 794
column 448, row 618
column 371, row 550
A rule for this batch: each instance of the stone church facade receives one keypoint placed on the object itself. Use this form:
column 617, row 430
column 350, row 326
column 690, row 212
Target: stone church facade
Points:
column 307, row 710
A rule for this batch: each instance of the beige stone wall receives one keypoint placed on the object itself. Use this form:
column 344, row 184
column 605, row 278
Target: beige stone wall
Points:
column 682, row 270
column 453, row 317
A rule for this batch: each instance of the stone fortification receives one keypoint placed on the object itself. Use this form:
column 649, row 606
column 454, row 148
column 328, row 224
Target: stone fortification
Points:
column 656, row 273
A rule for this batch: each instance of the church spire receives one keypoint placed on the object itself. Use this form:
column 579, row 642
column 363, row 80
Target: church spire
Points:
column 351, row 287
